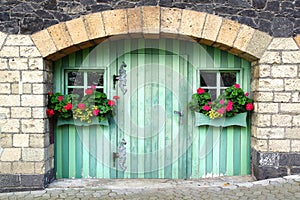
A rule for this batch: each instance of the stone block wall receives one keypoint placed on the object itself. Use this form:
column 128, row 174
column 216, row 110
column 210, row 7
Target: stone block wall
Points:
column 275, row 130
column 26, row 159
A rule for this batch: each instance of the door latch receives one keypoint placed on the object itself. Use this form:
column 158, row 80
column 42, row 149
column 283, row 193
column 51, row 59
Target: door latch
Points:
column 121, row 155
column 180, row 113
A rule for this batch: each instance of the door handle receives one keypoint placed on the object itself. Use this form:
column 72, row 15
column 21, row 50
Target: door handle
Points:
column 180, row 113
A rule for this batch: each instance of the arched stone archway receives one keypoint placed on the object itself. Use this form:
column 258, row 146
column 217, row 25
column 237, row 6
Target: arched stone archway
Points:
column 151, row 22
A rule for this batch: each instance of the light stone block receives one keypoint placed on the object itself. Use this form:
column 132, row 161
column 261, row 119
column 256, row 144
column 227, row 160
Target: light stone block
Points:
column 293, row 108
column 3, row 37
column 258, row 44
column 33, row 125
column 33, row 154
column 36, row 64
column 296, row 97
column 211, row 29
column 292, row 133
column 115, row 22
column 23, row 167
column 296, row 120
column 32, row 100
column 18, row 63
column 18, row 40
column 262, row 120
column 77, row 30
column 10, row 100
column 170, row 20
column 279, row 145
column 271, row 57
column 5, row 88
column 228, row 32
column 20, row 140
column 270, row 85
column 10, row 51
column 151, row 19
column 10, row 154
column 6, row 140
column 20, row 112
column 259, row 145
column 9, row 76
column 39, row 113
column 44, row 42
column 283, row 44
column 281, row 120
column 5, row 168
column 263, row 96
column 39, row 168
column 243, row 38
column 37, row 140
column 94, row 25
column 39, row 88
column 134, row 21
column 295, row 145
column 270, row 133
column 33, row 76
column 3, row 64
column 282, row 96
column 267, row 107
column 189, row 26
column 60, row 35
column 284, row 71
column 292, row 84
column 29, row 52
column 291, row 57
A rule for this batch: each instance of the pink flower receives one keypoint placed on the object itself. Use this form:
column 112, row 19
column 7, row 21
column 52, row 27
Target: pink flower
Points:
column 81, row 106
column 221, row 111
column 68, row 106
column 89, row 91
column 93, row 87
column 116, row 97
column 237, row 86
column 60, row 98
column 111, row 102
column 200, row 90
column 249, row 106
column 206, row 107
column 246, row 94
column 222, row 101
column 50, row 112
column 210, row 103
column 96, row 112
column 228, row 108
column 230, row 103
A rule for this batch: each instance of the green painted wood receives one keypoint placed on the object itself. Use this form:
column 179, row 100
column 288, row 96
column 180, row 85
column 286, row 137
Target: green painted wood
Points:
column 65, row 152
column 154, row 81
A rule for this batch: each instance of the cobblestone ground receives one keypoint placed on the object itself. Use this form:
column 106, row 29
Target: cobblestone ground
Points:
column 279, row 188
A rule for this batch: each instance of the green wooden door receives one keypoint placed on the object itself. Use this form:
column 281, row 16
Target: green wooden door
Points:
column 161, row 77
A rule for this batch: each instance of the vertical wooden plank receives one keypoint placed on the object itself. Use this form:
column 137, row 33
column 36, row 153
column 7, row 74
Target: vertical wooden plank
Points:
column 244, row 147
column 72, row 151
column 58, row 147
column 217, row 58
column 92, row 151
column 65, row 151
column 230, row 144
column 79, row 150
column 209, row 151
column 141, row 108
column 216, row 151
column 85, row 152
column 223, row 151
column 237, row 151
column 202, row 155
column 162, row 103
column 99, row 152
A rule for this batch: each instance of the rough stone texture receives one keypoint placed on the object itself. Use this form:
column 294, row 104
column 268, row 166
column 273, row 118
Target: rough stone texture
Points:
column 170, row 20
column 94, row 25
column 60, row 36
column 192, row 27
column 134, row 22
column 211, row 29
column 228, row 32
column 151, row 20
column 40, row 39
column 119, row 20
column 77, row 30
column 279, row 18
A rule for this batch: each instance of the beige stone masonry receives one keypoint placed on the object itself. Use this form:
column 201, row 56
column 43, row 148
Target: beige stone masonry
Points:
column 5, row 167
column 151, row 20
column 94, row 26
column 270, row 133
column 228, row 33
column 170, row 22
column 60, row 36
column 293, row 108
column 44, row 43
column 282, row 96
column 11, row 154
column 292, row 133
column 77, row 31
column 33, row 154
column 211, row 29
column 6, row 140
column 3, row 37
column 258, row 43
column 20, row 140
column 279, row 120
column 243, row 39
column 292, row 84
column 291, row 57
column 279, row 145
column 297, row 40
column 288, row 71
column 295, row 145
column 10, row 51
column 115, row 22
column 283, row 44
column 23, row 167
column 134, row 19
column 191, row 27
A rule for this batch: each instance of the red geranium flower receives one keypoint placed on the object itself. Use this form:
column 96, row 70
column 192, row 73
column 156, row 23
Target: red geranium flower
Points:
column 249, row 106
column 116, row 97
column 222, row 101
column 60, row 98
column 206, row 107
column 111, row 102
column 50, row 112
column 96, row 112
column 50, row 93
column 89, row 91
column 81, row 106
column 200, row 90
column 246, row 94
column 68, row 106
column 237, row 86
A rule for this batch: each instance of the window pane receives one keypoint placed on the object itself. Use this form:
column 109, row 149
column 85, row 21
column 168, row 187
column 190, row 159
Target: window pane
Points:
column 99, row 89
column 75, row 78
column 228, row 79
column 208, row 79
column 95, row 78
column 78, row 91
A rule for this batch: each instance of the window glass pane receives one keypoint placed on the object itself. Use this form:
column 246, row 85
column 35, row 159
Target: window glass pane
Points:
column 95, row 78
column 99, row 89
column 208, row 79
column 78, row 91
column 228, row 79
column 75, row 78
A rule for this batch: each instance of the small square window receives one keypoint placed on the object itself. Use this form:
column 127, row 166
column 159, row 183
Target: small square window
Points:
column 208, row 79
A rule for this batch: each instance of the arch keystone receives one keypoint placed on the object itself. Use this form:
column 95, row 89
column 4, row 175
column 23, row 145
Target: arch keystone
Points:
column 170, row 21
column 191, row 27
column 151, row 21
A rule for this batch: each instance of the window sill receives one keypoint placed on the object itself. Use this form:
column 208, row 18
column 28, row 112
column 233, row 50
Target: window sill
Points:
column 237, row 120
